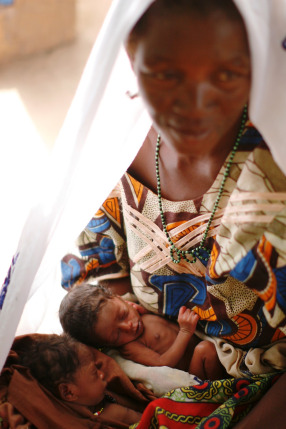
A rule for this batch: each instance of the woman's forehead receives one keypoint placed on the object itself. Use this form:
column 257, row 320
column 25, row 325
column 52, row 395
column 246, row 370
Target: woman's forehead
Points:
column 191, row 39
column 159, row 9
column 163, row 24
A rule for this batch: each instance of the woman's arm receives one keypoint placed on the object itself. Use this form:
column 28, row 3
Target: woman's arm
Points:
column 100, row 249
column 119, row 286
column 270, row 411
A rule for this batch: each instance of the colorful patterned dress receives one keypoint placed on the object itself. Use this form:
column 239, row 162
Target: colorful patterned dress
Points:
column 217, row 404
column 240, row 294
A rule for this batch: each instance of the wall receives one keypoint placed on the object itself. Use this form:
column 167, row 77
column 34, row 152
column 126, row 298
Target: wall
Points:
column 32, row 26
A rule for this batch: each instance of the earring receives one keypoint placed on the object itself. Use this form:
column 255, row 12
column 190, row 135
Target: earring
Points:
column 132, row 95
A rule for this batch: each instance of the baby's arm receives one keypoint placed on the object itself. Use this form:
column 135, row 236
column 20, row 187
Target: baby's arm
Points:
column 138, row 352
column 187, row 320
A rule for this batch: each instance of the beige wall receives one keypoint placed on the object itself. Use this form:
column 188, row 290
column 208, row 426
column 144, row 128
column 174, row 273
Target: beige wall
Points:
column 32, row 26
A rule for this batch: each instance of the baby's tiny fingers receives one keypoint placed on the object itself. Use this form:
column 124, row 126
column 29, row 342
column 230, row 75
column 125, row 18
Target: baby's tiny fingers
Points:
column 195, row 317
column 182, row 311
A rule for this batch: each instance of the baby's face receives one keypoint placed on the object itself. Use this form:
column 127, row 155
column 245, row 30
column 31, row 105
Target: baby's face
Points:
column 118, row 323
column 89, row 380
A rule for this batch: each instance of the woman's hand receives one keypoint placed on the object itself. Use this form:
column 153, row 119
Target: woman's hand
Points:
column 187, row 320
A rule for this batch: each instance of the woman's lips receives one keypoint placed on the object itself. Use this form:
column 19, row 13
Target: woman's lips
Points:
column 191, row 132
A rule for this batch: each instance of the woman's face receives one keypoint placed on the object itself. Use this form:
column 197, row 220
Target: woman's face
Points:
column 194, row 76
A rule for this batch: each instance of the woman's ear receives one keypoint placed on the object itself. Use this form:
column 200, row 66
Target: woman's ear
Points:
column 68, row 392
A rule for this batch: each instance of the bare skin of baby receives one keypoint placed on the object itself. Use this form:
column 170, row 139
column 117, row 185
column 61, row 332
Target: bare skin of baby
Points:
column 152, row 340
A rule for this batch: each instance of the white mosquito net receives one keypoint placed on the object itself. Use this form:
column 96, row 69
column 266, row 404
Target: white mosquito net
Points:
column 101, row 135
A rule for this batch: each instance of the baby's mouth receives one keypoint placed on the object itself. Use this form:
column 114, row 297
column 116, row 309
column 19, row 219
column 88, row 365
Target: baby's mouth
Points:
column 139, row 328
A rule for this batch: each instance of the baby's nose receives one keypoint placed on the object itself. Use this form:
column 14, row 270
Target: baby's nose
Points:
column 126, row 326
column 100, row 374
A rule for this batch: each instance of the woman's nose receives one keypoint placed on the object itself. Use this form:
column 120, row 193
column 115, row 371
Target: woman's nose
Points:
column 194, row 97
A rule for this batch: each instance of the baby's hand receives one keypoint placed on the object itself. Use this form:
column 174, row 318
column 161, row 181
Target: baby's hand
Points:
column 138, row 307
column 187, row 320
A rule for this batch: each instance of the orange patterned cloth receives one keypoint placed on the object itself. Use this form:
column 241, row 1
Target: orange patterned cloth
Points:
column 240, row 294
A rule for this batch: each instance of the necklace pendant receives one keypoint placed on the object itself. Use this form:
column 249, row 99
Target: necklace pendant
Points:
column 173, row 249
column 182, row 254
column 202, row 253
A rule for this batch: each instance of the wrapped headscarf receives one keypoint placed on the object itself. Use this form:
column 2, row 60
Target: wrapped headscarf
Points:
column 102, row 134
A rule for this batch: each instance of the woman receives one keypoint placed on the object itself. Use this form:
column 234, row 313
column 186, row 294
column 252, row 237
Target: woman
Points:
column 198, row 219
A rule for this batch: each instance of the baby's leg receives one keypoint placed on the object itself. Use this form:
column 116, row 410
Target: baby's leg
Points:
column 205, row 363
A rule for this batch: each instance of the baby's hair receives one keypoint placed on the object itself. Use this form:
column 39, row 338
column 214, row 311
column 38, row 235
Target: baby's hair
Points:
column 52, row 359
column 79, row 311
column 160, row 7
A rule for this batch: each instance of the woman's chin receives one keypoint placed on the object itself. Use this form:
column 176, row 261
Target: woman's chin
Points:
column 198, row 139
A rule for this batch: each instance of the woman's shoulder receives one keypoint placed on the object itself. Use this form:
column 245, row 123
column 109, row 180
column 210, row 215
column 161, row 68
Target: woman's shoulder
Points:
column 259, row 171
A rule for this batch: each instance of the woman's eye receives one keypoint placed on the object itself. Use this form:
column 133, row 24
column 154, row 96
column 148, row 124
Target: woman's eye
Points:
column 227, row 76
column 224, row 76
column 166, row 76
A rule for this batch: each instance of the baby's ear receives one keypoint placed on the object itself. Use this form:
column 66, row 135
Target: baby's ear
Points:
column 67, row 392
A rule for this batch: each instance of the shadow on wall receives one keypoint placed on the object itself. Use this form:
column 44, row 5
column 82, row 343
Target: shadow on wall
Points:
column 31, row 26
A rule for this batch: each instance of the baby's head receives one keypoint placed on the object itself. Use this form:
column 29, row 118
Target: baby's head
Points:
column 66, row 368
column 94, row 316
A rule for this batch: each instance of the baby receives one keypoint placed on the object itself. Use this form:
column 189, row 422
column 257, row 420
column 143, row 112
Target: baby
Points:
column 68, row 370
column 93, row 315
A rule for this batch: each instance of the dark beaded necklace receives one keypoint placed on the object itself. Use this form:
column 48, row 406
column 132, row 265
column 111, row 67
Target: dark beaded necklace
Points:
column 200, row 251
column 107, row 398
